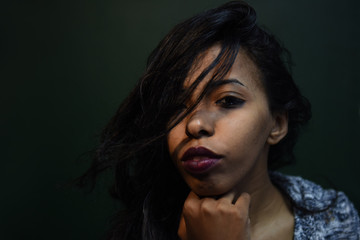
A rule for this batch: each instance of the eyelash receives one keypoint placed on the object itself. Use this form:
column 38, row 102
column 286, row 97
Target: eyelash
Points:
column 230, row 102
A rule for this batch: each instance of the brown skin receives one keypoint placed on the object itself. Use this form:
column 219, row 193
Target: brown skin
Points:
column 218, row 207
column 200, row 214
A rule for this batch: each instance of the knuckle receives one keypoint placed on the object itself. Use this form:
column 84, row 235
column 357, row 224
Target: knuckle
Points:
column 223, row 208
column 189, row 207
column 246, row 197
column 241, row 216
column 206, row 207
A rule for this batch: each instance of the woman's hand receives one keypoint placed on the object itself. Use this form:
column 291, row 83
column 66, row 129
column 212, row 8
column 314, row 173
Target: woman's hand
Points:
column 215, row 219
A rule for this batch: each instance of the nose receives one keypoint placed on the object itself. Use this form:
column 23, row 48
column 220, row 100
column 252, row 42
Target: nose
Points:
column 200, row 124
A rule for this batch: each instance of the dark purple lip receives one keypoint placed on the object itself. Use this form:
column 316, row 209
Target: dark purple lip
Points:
column 199, row 160
column 199, row 152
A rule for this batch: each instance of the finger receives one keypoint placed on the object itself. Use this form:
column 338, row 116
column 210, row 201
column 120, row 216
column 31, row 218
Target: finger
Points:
column 182, row 228
column 193, row 195
column 243, row 206
column 192, row 199
column 229, row 197
column 248, row 231
column 191, row 204
column 243, row 201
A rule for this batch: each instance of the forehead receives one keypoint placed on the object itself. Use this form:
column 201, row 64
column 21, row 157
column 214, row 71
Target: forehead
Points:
column 243, row 69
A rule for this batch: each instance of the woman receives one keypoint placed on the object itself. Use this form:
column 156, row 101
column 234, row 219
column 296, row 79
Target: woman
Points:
column 194, row 145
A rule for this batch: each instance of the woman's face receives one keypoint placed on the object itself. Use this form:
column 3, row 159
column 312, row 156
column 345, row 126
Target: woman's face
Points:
column 223, row 144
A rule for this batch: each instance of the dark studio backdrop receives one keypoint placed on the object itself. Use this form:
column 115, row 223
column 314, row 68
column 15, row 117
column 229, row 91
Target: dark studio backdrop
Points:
column 66, row 65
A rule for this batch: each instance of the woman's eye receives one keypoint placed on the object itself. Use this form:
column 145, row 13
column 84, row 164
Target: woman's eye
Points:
column 230, row 102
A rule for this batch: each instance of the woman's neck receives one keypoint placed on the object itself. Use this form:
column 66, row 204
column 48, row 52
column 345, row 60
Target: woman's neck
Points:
column 271, row 215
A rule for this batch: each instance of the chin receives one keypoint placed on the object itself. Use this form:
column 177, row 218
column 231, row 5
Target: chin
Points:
column 209, row 191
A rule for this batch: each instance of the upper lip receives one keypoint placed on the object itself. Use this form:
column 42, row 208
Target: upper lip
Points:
column 199, row 152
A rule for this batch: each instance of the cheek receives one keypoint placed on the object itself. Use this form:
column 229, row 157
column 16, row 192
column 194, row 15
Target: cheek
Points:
column 245, row 131
column 174, row 139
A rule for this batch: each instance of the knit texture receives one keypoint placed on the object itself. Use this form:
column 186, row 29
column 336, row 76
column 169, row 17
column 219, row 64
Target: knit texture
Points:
column 319, row 213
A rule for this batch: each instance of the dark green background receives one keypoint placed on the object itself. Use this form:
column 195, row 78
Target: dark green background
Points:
column 66, row 65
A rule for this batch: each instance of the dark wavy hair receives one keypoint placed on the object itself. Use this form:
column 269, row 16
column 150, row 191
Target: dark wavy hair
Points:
column 133, row 143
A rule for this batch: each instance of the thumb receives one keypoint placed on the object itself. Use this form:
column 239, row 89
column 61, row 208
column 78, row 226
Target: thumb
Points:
column 182, row 228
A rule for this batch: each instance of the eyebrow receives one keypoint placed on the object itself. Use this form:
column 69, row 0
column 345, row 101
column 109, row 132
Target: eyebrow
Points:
column 216, row 84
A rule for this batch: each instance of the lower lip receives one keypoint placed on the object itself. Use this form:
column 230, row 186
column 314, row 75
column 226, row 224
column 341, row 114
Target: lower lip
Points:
column 200, row 166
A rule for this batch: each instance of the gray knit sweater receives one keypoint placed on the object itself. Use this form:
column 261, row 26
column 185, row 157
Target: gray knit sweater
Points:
column 319, row 213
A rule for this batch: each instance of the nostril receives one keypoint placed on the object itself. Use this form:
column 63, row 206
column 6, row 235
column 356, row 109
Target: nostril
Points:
column 203, row 132
column 200, row 124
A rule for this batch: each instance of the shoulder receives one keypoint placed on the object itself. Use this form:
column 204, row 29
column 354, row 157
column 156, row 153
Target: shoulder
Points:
column 319, row 213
